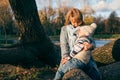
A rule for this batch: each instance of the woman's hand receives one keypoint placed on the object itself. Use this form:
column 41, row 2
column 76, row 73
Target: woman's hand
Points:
column 87, row 46
column 64, row 60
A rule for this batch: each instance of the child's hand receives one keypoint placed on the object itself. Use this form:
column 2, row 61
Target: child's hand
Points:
column 64, row 60
column 87, row 46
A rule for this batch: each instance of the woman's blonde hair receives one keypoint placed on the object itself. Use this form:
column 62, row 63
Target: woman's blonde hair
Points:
column 74, row 13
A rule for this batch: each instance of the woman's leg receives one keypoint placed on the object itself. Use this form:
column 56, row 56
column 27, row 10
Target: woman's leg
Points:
column 71, row 64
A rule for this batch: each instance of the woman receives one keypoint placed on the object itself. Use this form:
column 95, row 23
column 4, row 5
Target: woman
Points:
column 74, row 19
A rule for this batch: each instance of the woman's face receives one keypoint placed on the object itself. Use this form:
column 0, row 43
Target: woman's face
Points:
column 75, row 22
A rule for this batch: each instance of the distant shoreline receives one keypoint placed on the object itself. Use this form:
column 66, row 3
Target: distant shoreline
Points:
column 105, row 38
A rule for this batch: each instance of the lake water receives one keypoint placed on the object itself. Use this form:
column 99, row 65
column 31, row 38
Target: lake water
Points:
column 99, row 43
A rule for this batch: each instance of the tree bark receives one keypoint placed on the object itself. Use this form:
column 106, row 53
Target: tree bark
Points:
column 107, row 54
column 76, row 74
column 26, row 16
column 34, row 43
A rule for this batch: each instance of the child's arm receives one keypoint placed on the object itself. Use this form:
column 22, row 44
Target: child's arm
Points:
column 78, row 46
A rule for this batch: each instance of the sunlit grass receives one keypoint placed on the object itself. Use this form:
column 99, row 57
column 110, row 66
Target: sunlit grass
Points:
column 107, row 36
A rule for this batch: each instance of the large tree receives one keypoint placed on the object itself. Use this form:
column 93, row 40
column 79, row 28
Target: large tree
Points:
column 34, row 44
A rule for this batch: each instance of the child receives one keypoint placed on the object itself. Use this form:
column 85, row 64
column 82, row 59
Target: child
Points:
column 84, row 34
column 79, row 55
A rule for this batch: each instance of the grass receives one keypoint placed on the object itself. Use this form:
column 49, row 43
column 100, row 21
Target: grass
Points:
column 2, row 37
column 6, row 45
column 7, row 41
column 107, row 36
column 11, row 72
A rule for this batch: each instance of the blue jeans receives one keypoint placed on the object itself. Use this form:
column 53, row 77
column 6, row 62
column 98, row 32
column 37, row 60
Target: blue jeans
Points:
column 71, row 64
column 92, row 71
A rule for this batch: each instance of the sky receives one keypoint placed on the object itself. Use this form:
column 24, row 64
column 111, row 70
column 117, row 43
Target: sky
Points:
column 101, row 7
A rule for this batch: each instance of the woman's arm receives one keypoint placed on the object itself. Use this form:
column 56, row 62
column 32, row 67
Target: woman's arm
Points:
column 64, row 43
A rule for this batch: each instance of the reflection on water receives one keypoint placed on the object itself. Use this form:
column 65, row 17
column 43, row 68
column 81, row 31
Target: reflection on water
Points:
column 100, row 43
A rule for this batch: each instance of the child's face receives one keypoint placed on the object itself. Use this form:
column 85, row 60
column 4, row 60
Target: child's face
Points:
column 81, row 33
column 75, row 22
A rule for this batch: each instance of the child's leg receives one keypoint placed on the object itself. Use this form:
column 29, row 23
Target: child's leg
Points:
column 71, row 64
column 92, row 70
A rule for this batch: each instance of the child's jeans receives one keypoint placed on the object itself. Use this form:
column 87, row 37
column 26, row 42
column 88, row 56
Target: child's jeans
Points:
column 71, row 64
column 92, row 70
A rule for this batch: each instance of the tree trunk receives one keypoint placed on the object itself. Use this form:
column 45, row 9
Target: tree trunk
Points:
column 107, row 54
column 26, row 16
column 111, row 71
column 76, row 74
column 34, row 43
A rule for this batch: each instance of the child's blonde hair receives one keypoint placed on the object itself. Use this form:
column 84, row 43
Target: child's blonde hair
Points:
column 74, row 13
